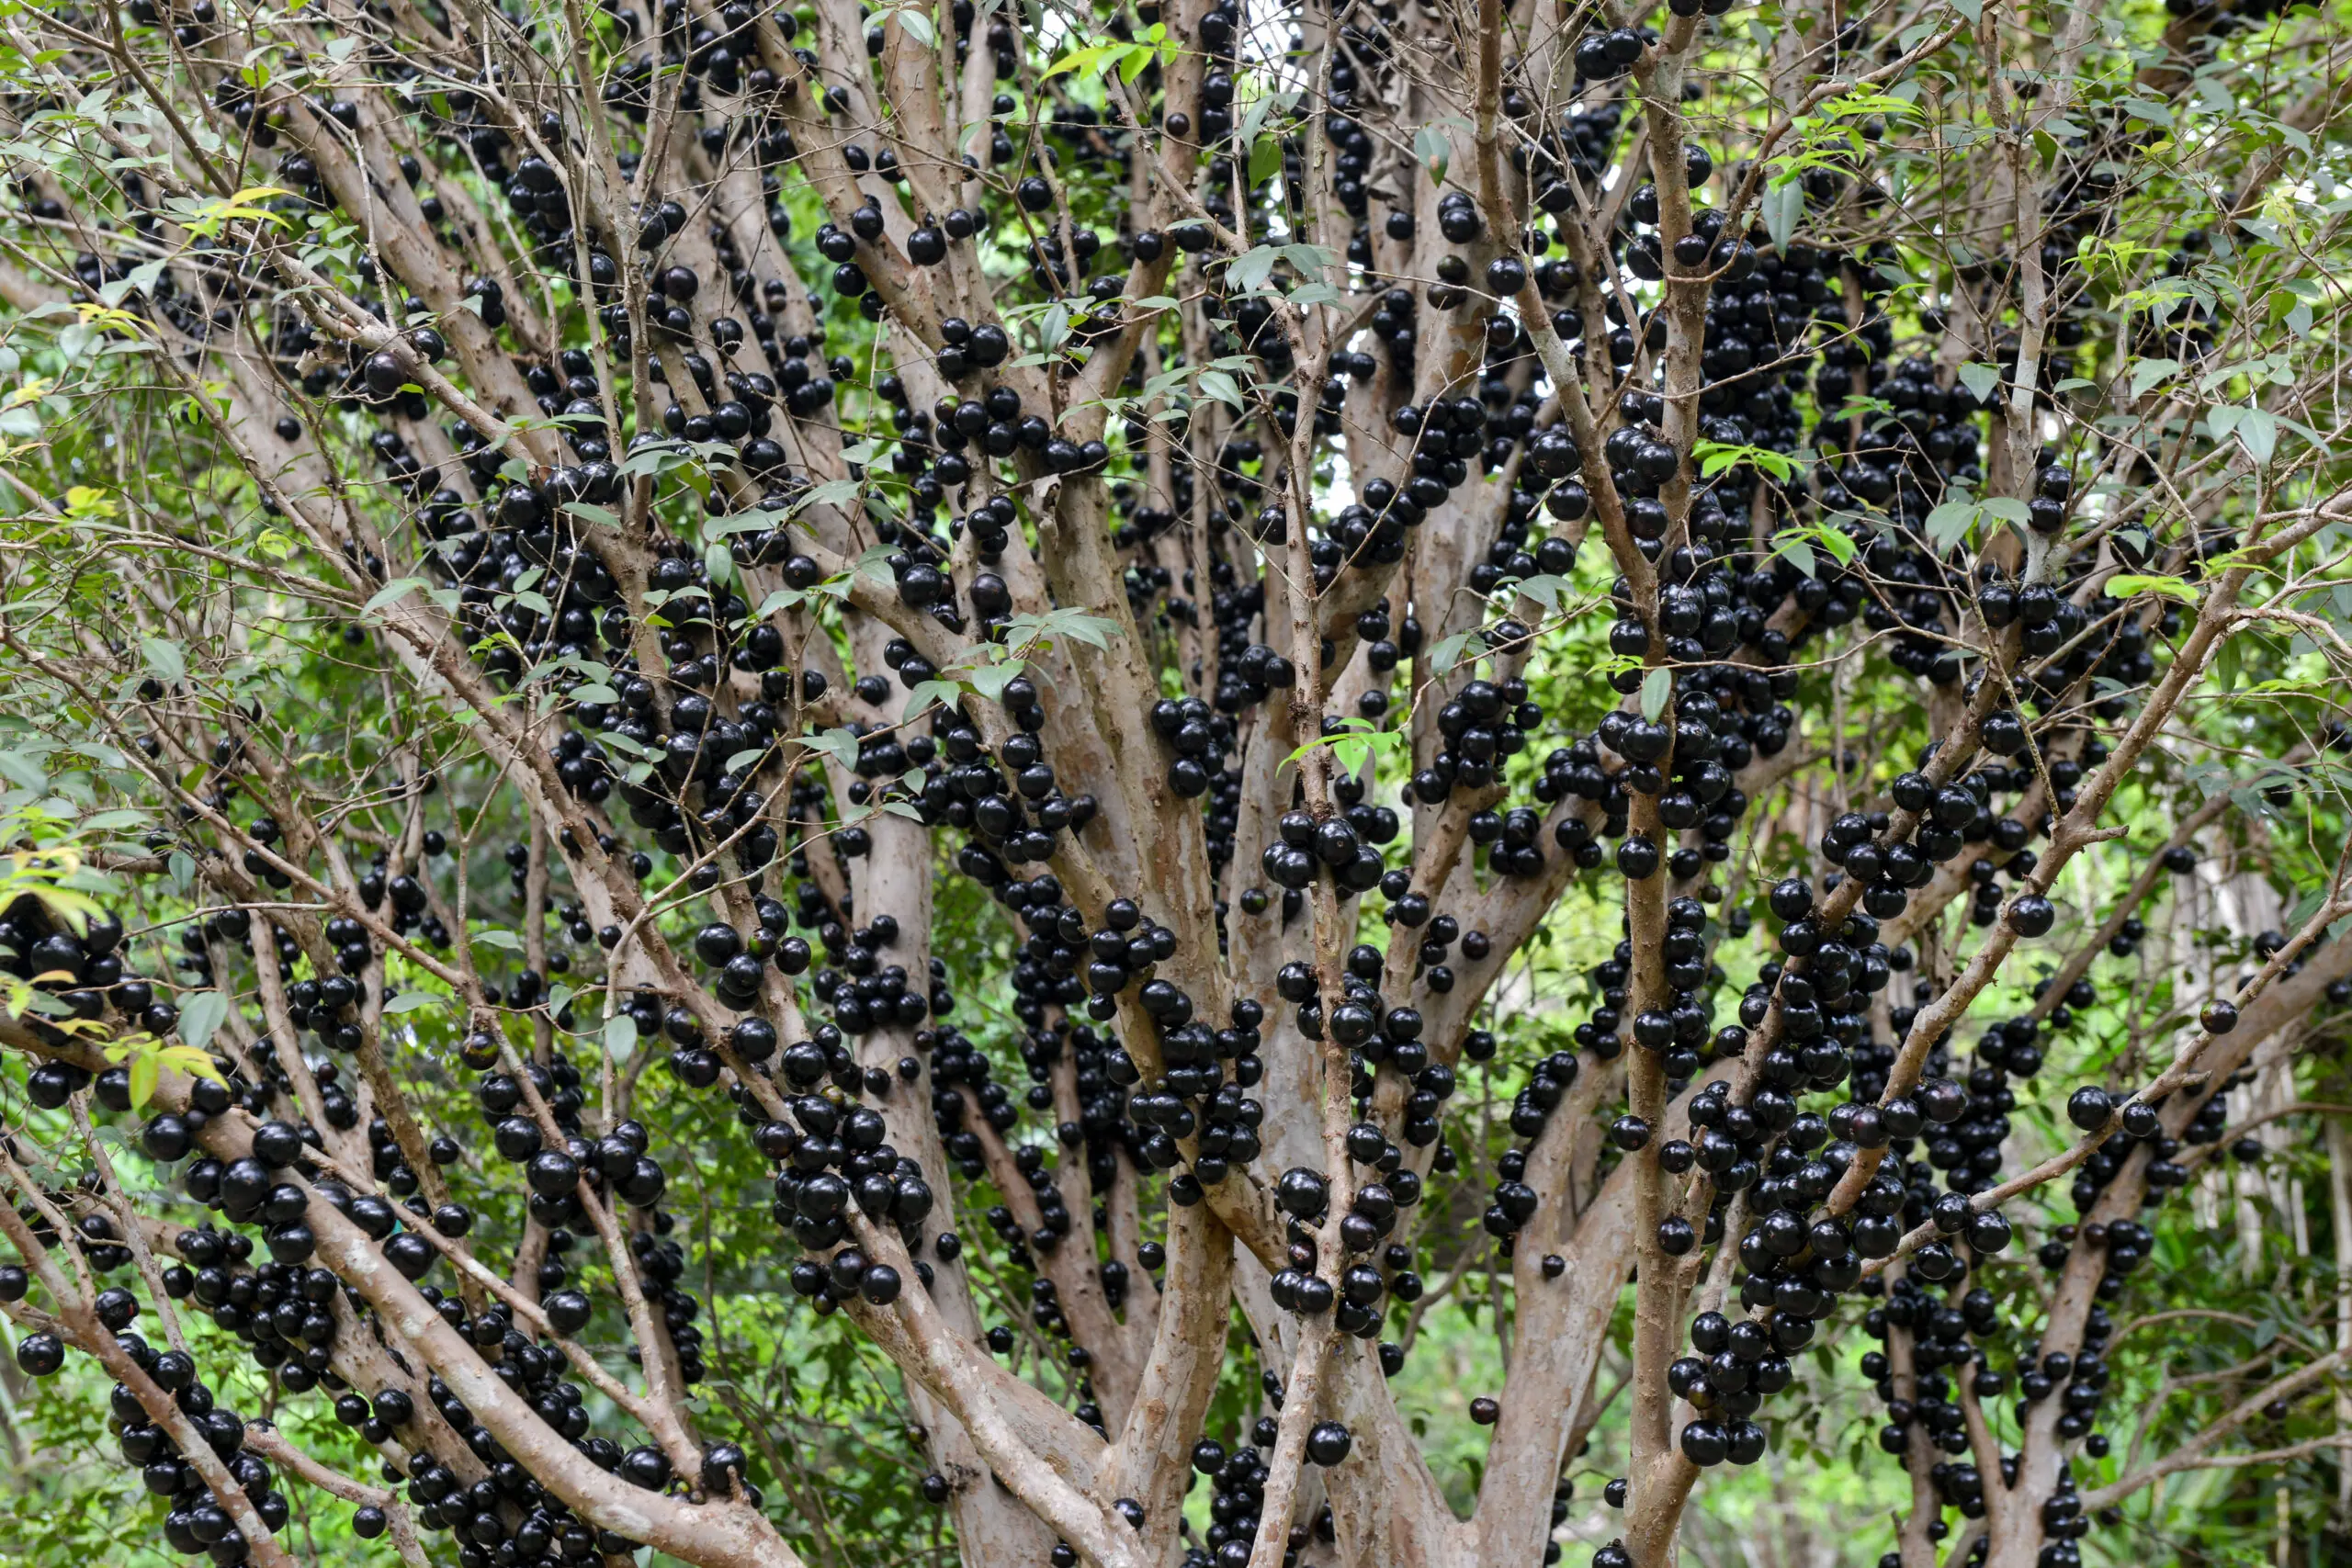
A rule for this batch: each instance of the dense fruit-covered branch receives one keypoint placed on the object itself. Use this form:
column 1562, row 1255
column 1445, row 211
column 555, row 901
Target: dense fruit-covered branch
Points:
column 1191, row 674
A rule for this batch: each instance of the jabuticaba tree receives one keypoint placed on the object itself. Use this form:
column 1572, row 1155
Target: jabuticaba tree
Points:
column 1269, row 510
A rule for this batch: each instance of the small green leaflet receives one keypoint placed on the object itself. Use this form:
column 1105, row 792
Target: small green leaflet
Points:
column 142, row 278
column 2259, row 434
column 1217, row 385
column 917, row 25
column 990, row 680
column 840, row 745
column 201, row 1016
column 392, row 592
column 149, row 1058
column 1797, row 545
column 1251, row 268
column 833, row 492
column 1657, row 689
column 1783, row 204
column 782, row 599
column 1131, row 58
column 1434, row 148
column 620, row 1037
column 1354, row 745
column 2130, row 585
column 1025, row 632
column 1266, row 106
column 1980, row 380
column 1949, row 525
column 2148, row 373
column 1448, row 653
column 926, row 694
column 1715, row 456
column 1545, row 589
column 506, row 940
column 164, row 659
column 1265, row 159
column 1869, row 104
column 413, row 1001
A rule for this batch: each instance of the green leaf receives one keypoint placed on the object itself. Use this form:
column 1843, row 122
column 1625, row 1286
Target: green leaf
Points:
column 1250, row 270
column 1783, row 204
column 620, row 1037
column 2259, row 434
column 1545, row 589
column 990, row 680
column 2148, row 373
column 1216, row 384
column 917, row 26
column 2226, row 663
column 1980, row 379
column 391, row 593
column 1441, row 660
column 1132, row 63
column 1434, row 148
column 926, row 694
column 164, row 659
column 187, row 1059
column 1310, row 261
column 1084, row 59
column 145, row 1067
column 840, row 745
column 1265, row 159
column 2130, row 585
column 1354, row 745
column 833, row 492
column 1025, row 632
column 1657, row 688
column 496, row 938
column 201, row 1016
column 415, row 1001
column 1949, row 525
column 1715, row 456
